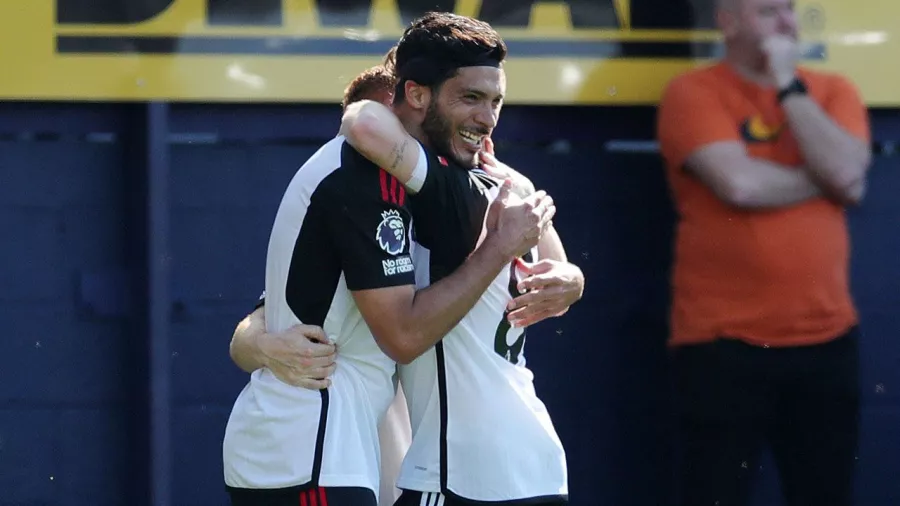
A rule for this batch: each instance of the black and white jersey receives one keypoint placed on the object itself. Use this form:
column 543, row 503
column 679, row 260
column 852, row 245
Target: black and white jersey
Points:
column 343, row 225
column 479, row 430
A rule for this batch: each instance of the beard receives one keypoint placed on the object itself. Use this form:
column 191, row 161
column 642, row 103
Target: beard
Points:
column 439, row 130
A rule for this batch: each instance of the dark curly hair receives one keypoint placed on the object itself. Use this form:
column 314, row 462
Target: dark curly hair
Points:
column 437, row 44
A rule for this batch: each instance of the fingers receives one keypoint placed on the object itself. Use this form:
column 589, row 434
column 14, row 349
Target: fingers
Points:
column 493, row 170
column 538, row 282
column 531, row 319
column 540, row 267
column 534, row 310
column 311, row 384
column 526, row 312
column 542, row 202
column 312, row 349
column 321, row 372
column 488, row 158
column 505, row 188
column 309, row 331
column 547, row 219
column 307, row 364
column 542, row 206
column 302, row 356
column 523, row 300
column 489, row 146
column 553, row 295
column 536, row 198
column 542, row 210
column 306, row 377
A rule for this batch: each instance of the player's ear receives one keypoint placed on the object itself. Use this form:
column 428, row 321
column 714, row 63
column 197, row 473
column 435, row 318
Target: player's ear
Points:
column 417, row 96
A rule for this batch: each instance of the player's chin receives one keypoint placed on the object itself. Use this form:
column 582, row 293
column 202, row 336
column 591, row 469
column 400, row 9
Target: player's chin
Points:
column 467, row 155
column 468, row 159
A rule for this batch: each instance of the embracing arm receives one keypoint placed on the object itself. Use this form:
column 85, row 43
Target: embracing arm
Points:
column 550, row 246
column 244, row 348
column 299, row 356
column 376, row 132
column 406, row 322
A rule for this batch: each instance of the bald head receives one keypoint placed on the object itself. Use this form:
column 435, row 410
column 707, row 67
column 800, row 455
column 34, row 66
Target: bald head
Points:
column 746, row 24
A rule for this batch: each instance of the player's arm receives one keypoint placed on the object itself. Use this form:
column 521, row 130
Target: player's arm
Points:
column 376, row 132
column 550, row 247
column 708, row 145
column 521, row 185
column 834, row 140
column 407, row 322
column 550, row 286
column 299, row 356
column 244, row 349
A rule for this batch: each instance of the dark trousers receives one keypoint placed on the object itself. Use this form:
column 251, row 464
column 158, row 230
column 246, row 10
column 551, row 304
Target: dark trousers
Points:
column 733, row 398
column 303, row 496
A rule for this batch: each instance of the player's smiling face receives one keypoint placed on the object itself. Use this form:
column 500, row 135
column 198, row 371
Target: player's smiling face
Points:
column 464, row 112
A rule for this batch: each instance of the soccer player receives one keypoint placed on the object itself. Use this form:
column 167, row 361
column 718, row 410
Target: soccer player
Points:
column 339, row 254
column 302, row 356
column 480, row 434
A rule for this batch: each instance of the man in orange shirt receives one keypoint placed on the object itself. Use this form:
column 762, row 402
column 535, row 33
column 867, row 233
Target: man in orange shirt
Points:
column 762, row 157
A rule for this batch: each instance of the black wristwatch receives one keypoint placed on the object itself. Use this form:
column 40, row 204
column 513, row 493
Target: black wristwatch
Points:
column 796, row 86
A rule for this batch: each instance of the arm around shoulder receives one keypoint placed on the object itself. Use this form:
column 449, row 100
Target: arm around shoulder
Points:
column 376, row 132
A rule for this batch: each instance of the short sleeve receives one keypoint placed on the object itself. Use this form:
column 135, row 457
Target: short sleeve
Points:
column 448, row 215
column 845, row 106
column 420, row 172
column 439, row 183
column 691, row 116
column 372, row 238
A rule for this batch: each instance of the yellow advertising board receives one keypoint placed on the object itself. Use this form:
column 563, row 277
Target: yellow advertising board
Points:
column 561, row 52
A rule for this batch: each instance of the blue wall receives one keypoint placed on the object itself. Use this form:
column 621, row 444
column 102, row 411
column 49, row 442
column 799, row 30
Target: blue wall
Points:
column 134, row 240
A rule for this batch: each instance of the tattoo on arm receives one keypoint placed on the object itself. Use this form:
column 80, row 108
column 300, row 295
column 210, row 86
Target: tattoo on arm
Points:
column 397, row 153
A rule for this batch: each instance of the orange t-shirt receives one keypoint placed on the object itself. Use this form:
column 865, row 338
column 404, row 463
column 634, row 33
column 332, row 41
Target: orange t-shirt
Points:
column 775, row 277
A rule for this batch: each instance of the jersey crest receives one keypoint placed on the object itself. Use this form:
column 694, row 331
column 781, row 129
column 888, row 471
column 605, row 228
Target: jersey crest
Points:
column 391, row 234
